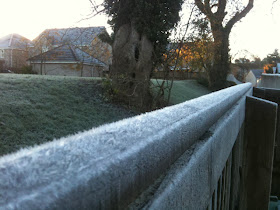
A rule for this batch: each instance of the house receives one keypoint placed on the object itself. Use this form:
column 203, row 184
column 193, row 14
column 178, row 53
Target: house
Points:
column 13, row 52
column 85, row 39
column 257, row 73
column 67, row 60
column 278, row 68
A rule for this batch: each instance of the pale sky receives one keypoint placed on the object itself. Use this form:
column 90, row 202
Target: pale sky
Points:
column 258, row 33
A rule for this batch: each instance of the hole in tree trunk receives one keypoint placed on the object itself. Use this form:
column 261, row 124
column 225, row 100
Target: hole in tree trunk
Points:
column 136, row 53
column 133, row 75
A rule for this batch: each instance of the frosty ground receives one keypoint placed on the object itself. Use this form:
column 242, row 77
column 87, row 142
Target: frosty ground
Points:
column 35, row 109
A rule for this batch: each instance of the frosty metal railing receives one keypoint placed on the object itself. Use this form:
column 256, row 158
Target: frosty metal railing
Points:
column 201, row 178
column 108, row 167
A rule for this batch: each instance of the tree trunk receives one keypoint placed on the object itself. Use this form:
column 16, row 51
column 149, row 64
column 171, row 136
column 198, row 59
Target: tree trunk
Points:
column 82, row 68
column 131, row 67
column 41, row 66
column 221, row 62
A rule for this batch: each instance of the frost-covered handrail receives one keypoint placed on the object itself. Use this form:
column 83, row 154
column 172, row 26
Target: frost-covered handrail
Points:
column 107, row 167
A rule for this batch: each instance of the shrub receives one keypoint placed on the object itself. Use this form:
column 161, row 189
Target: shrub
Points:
column 268, row 68
column 27, row 70
column 203, row 80
column 109, row 93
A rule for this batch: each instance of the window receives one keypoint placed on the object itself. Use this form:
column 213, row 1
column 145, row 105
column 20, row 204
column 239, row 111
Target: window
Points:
column 45, row 49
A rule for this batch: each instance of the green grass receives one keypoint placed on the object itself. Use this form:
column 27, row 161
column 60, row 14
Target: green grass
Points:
column 183, row 90
column 35, row 109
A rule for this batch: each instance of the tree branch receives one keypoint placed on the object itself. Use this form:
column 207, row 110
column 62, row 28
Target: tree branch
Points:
column 239, row 15
column 208, row 9
column 205, row 8
column 207, row 4
column 221, row 9
column 200, row 6
column 214, row 5
column 92, row 15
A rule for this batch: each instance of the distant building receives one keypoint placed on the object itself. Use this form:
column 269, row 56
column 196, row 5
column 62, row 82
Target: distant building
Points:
column 67, row 60
column 84, row 38
column 278, row 68
column 257, row 73
column 14, row 50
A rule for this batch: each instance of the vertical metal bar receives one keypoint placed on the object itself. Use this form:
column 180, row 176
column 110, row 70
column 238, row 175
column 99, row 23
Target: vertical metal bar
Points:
column 235, row 170
column 215, row 206
column 213, row 199
column 210, row 204
column 219, row 198
column 223, row 187
column 229, row 163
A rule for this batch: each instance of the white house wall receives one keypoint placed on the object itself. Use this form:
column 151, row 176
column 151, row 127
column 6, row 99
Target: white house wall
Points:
column 14, row 58
column 67, row 70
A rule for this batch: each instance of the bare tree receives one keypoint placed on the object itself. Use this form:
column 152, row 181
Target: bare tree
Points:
column 221, row 22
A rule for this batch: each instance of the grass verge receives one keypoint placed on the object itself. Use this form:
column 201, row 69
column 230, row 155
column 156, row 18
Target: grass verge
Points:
column 35, row 109
column 182, row 90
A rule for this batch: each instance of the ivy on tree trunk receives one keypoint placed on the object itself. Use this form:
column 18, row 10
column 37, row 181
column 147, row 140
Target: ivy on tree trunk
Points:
column 131, row 67
column 141, row 31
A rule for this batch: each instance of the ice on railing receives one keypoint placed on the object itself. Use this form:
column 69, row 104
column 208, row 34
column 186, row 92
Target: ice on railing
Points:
column 70, row 169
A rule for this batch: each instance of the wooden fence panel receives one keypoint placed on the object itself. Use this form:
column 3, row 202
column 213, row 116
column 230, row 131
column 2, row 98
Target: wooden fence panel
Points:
column 274, row 96
column 260, row 128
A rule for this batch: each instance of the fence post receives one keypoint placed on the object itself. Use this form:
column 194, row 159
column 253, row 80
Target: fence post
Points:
column 274, row 96
column 260, row 128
